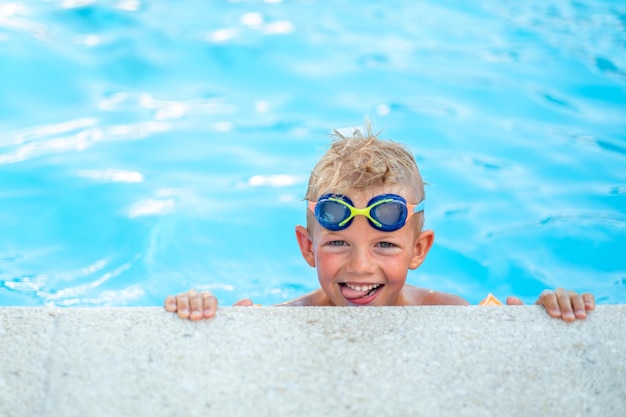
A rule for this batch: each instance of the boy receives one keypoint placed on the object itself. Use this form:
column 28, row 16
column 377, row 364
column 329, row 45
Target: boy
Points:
column 364, row 232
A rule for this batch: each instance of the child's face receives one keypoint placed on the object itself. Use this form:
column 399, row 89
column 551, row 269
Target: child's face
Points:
column 361, row 265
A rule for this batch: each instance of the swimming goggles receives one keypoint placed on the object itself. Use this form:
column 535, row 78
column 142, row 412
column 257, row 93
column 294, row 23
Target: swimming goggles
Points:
column 386, row 212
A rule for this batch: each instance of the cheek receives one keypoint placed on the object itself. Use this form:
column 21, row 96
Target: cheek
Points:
column 328, row 268
column 324, row 264
column 397, row 272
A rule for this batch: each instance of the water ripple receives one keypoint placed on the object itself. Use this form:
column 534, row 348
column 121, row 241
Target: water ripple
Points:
column 46, row 287
column 12, row 18
column 76, row 135
column 613, row 221
column 611, row 145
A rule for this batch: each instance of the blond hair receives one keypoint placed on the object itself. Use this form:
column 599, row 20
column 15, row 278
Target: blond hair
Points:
column 363, row 161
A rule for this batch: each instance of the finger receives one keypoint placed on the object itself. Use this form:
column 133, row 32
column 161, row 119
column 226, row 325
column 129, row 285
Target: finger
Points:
column 246, row 302
column 564, row 299
column 170, row 303
column 195, row 305
column 514, row 301
column 182, row 302
column 209, row 305
column 578, row 305
column 590, row 301
column 548, row 299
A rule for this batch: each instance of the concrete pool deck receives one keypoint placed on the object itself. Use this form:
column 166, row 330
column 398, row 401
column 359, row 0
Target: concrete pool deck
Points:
column 271, row 361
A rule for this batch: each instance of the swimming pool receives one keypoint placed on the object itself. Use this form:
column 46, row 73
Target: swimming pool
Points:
column 150, row 147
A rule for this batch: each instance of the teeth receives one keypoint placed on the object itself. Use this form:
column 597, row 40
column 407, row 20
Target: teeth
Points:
column 363, row 288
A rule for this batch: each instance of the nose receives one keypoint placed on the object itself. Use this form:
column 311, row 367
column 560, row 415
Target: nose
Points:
column 361, row 261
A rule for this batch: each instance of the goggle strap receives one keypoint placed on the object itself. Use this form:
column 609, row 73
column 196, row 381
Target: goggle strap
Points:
column 416, row 208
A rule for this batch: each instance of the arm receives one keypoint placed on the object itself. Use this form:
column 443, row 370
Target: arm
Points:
column 562, row 304
column 195, row 305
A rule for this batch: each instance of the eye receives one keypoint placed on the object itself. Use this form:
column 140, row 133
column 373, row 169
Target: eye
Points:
column 337, row 243
column 386, row 245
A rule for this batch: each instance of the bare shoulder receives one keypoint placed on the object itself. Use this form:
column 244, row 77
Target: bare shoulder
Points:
column 315, row 298
column 423, row 297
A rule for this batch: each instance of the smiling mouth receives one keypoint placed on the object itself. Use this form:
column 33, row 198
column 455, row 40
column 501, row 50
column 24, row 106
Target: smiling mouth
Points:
column 360, row 293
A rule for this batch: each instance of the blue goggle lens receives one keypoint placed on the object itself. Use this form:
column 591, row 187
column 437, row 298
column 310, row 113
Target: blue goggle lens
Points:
column 331, row 213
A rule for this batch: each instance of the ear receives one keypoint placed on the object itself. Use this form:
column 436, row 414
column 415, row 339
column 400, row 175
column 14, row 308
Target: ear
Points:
column 305, row 242
column 422, row 245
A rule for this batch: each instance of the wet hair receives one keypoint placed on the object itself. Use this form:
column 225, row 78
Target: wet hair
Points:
column 363, row 161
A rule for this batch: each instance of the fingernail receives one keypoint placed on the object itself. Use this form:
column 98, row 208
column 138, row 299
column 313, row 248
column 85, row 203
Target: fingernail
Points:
column 208, row 311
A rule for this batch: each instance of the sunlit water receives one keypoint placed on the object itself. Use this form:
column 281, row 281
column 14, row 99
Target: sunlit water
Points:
column 150, row 147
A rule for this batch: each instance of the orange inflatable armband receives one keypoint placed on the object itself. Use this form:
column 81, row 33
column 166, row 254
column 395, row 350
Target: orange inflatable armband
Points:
column 490, row 300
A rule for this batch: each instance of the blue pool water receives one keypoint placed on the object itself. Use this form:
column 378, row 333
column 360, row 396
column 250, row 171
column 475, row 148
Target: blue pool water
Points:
column 150, row 147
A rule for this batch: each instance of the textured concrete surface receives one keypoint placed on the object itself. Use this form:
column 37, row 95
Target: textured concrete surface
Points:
column 271, row 361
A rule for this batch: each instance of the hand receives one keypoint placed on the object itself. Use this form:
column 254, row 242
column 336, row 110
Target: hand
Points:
column 195, row 305
column 562, row 304
column 192, row 305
